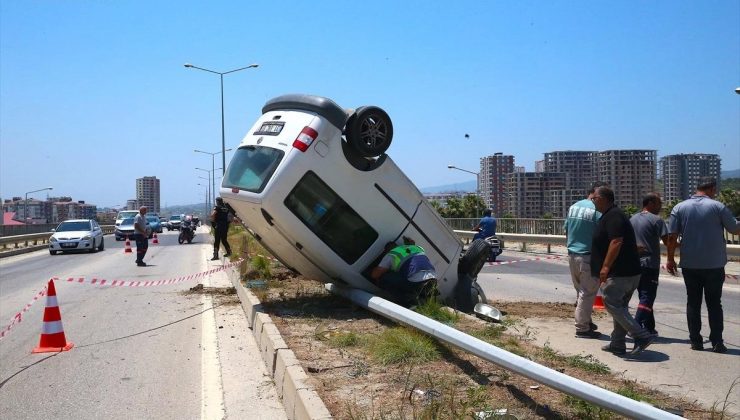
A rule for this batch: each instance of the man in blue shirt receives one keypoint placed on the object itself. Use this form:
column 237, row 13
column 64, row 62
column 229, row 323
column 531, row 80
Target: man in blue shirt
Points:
column 486, row 227
column 579, row 228
column 701, row 221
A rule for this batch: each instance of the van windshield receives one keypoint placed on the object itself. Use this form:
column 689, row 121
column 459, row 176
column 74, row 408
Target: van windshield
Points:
column 251, row 168
column 330, row 218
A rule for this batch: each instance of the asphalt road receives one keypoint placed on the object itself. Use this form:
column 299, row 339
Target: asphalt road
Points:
column 668, row 365
column 139, row 352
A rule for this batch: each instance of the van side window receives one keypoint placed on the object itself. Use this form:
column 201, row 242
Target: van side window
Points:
column 251, row 168
column 330, row 218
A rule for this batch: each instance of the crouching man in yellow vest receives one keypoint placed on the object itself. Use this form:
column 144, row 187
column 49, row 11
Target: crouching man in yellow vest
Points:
column 406, row 272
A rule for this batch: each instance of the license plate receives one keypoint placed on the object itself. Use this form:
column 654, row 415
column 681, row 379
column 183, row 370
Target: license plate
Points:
column 69, row 245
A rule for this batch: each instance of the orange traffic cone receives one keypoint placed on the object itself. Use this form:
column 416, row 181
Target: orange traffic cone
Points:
column 127, row 250
column 52, row 332
column 599, row 301
column 155, row 241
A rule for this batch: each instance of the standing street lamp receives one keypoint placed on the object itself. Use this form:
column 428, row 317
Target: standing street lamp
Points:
column 208, row 190
column 477, row 179
column 221, row 74
column 25, row 205
column 213, row 190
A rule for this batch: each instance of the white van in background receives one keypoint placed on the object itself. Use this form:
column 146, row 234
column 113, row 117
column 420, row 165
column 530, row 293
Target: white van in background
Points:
column 314, row 186
column 125, row 214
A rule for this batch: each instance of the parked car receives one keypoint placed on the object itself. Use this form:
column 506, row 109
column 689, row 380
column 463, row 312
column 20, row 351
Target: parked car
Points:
column 174, row 222
column 313, row 184
column 125, row 230
column 154, row 224
column 77, row 235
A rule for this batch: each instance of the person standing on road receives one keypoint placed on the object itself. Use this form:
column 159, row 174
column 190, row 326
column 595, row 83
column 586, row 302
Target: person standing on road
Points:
column 221, row 216
column 406, row 272
column 700, row 222
column 615, row 262
column 486, row 227
column 579, row 229
column 650, row 229
column 141, row 236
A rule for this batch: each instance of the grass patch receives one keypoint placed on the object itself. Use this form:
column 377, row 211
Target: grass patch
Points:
column 586, row 410
column 629, row 390
column 432, row 308
column 262, row 265
column 403, row 345
column 344, row 339
column 590, row 364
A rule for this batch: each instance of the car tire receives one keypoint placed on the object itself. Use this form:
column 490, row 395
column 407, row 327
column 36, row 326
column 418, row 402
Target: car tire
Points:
column 52, row 252
column 474, row 259
column 102, row 244
column 369, row 131
column 92, row 249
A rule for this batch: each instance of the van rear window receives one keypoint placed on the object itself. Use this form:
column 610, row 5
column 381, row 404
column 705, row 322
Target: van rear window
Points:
column 330, row 218
column 251, row 168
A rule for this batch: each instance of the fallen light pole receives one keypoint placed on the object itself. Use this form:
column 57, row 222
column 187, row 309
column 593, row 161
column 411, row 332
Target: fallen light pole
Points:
column 525, row 367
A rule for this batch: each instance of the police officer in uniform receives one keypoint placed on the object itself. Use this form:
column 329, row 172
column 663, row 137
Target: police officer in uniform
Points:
column 221, row 216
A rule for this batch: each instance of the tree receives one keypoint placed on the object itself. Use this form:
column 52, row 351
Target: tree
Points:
column 454, row 208
column 668, row 207
column 731, row 199
column 473, row 206
column 630, row 209
column 731, row 183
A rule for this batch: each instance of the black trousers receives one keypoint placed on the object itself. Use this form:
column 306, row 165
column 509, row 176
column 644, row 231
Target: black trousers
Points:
column 647, row 290
column 220, row 238
column 404, row 292
column 708, row 282
column 142, row 244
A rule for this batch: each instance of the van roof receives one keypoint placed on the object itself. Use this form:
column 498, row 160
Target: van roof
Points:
column 325, row 107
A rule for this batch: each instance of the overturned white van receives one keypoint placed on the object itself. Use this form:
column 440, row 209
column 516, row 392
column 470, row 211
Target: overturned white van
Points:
column 314, row 186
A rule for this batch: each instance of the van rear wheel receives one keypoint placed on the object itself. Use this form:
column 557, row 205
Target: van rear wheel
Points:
column 474, row 258
column 369, row 131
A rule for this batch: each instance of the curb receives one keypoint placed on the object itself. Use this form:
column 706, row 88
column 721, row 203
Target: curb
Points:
column 23, row 250
column 300, row 400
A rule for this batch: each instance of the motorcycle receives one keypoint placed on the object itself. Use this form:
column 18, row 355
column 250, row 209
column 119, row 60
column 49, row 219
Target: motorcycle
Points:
column 187, row 233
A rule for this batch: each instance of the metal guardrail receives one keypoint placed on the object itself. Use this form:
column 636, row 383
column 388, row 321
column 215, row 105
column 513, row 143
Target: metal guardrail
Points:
column 33, row 239
column 732, row 250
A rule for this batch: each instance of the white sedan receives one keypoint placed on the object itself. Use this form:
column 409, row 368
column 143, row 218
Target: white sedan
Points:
column 77, row 235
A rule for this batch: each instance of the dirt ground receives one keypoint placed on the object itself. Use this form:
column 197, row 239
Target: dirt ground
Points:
column 330, row 337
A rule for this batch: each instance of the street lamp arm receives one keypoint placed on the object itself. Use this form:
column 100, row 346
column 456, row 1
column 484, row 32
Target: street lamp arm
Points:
column 460, row 169
column 190, row 66
column 251, row 66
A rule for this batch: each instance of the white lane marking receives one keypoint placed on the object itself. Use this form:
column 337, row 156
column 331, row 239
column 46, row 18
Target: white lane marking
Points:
column 211, row 386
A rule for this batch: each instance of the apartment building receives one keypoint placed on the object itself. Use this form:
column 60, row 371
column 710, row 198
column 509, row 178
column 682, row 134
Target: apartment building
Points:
column 530, row 194
column 630, row 173
column 492, row 181
column 147, row 193
column 680, row 173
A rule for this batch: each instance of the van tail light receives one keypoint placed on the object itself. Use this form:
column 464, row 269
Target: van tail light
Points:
column 305, row 138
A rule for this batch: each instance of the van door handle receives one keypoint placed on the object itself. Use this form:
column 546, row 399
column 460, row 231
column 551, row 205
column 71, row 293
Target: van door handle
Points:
column 267, row 217
column 298, row 245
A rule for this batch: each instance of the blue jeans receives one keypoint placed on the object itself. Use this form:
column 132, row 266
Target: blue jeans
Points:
column 708, row 282
column 647, row 290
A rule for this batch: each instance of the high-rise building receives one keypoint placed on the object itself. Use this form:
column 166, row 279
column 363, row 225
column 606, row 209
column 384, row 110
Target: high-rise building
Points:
column 680, row 173
column 539, row 165
column 630, row 173
column 147, row 193
column 492, row 181
column 529, row 193
column 580, row 166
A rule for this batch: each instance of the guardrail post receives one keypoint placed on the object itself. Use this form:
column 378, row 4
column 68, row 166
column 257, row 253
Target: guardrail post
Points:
column 548, row 249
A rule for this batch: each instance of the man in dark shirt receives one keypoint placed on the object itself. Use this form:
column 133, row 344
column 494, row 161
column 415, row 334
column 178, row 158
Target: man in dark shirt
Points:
column 615, row 261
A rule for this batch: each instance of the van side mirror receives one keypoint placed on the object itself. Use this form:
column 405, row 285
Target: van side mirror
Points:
column 53, row 230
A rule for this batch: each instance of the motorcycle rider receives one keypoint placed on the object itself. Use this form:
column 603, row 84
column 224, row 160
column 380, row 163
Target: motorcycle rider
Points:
column 187, row 227
column 486, row 227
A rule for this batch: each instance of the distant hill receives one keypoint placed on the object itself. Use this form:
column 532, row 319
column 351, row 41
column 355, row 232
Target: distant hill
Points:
column 469, row 186
column 730, row 174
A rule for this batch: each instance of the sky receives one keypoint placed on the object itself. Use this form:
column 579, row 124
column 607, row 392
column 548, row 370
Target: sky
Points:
column 94, row 94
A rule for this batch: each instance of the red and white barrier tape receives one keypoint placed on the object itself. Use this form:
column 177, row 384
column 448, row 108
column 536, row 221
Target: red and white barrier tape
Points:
column 18, row 317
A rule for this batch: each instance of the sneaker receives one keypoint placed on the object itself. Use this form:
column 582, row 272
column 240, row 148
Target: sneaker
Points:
column 588, row 334
column 614, row 350
column 141, row 264
column 227, row 254
column 214, row 258
column 641, row 344
column 719, row 348
column 653, row 332
column 592, row 326
column 697, row 346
